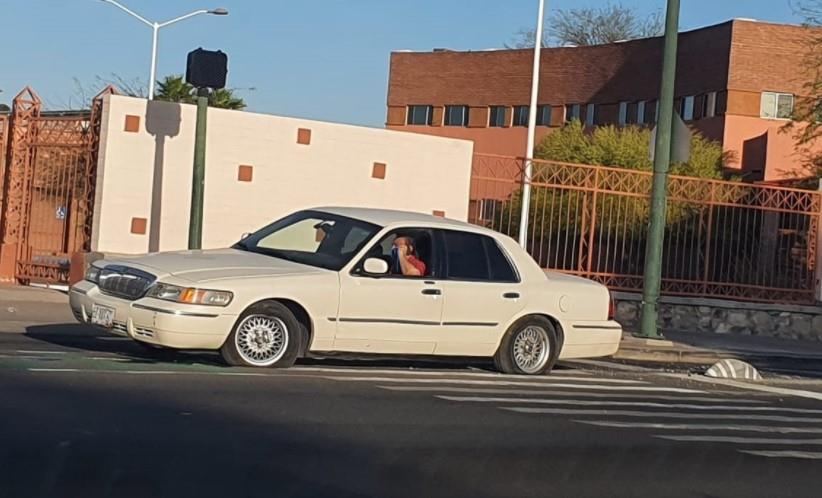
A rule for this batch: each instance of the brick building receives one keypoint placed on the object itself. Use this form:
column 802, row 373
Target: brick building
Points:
column 737, row 83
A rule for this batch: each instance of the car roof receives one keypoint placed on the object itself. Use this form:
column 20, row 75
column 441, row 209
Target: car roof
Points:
column 388, row 217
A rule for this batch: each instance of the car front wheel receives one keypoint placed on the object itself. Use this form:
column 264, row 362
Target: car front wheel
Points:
column 266, row 335
column 529, row 347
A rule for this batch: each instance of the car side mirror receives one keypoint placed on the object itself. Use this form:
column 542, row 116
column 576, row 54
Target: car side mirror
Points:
column 375, row 266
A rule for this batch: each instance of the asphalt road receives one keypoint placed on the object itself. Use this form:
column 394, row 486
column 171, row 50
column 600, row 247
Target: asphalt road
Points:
column 83, row 414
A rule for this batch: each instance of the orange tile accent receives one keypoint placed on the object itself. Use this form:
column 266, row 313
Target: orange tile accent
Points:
column 439, row 213
column 378, row 171
column 245, row 173
column 303, row 136
column 138, row 226
column 132, row 123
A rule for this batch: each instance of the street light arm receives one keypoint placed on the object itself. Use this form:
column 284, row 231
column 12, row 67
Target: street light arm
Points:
column 181, row 18
column 129, row 11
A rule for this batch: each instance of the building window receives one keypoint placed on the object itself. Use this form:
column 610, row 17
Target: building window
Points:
column 686, row 109
column 777, row 105
column 590, row 114
column 640, row 112
column 709, row 105
column 456, row 115
column 572, row 112
column 543, row 115
column 496, row 116
column 419, row 114
column 520, row 115
column 623, row 113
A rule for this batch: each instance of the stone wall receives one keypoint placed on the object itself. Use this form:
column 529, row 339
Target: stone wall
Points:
column 725, row 317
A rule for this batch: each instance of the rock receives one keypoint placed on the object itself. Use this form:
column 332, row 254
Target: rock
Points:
column 627, row 311
column 738, row 319
column 801, row 325
column 703, row 310
column 764, row 323
column 722, row 328
column 816, row 326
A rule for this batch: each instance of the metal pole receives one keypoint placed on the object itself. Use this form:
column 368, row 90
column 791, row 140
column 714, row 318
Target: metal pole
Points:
column 532, row 124
column 153, row 73
column 195, row 227
column 662, row 160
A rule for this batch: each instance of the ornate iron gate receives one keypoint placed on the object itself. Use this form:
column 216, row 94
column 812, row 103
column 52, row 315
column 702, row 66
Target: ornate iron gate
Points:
column 48, row 195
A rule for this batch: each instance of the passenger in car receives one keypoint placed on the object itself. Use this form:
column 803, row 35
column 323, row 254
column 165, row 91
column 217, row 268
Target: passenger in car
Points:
column 409, row 264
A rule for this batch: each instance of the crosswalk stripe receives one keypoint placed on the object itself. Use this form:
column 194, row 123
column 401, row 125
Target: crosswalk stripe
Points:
column 634, row 413
column 811, row 455
column 576, row 374
column 492, row 379
column 648, row 404
column 551, row 392
column 738, row 440
column 704, row 427
column 42, row 351
column 513, row 383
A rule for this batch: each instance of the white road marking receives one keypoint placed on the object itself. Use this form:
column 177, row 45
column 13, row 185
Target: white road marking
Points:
column 811, row 455
column 53, row 370
column 659, row 415
column 648, row 404
column 753, row 387
column 550, row 392
column 110, row 358
column 577, row 374
column 739, row 440
column 704, row 427
column 40, row 352
column 557, row 385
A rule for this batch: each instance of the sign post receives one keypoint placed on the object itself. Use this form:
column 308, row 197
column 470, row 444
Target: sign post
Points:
column 659, row 192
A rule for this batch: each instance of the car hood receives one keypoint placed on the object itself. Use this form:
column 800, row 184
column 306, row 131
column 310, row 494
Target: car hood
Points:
column 214, row 265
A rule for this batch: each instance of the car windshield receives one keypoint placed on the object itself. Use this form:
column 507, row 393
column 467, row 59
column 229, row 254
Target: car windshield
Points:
column 312, row 238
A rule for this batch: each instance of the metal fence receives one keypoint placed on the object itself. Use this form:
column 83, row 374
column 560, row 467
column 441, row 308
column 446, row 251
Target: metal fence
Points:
column 722, row 239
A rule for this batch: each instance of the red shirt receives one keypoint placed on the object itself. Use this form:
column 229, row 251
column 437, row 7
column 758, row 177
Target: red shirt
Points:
column 416, row 263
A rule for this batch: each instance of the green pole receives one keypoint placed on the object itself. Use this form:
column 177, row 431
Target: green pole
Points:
column 659, row 194
column 195, row 226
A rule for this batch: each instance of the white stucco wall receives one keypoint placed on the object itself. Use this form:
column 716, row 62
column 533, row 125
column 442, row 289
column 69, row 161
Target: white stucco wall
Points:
column 423, row 173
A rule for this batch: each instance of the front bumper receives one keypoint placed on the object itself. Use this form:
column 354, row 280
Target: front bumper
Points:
column 155, row 321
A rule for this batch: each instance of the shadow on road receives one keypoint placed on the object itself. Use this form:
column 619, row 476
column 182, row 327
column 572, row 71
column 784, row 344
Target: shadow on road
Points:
column 85, row 338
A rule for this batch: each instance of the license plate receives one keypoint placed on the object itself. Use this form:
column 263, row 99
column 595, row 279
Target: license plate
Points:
column 102, row 316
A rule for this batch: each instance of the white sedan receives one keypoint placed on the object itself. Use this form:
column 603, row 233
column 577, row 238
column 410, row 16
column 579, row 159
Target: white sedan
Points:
column 354, row 280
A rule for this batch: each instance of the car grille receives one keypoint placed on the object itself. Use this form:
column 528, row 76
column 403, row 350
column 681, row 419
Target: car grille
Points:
column 125, row 282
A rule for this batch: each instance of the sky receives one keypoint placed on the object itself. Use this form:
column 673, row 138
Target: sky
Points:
column 317, row 59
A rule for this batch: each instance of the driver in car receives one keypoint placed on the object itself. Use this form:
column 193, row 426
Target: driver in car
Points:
column 405, row 258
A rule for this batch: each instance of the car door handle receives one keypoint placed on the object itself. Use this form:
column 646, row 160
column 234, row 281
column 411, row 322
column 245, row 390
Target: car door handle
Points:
column 431, row 292
column 511, row 295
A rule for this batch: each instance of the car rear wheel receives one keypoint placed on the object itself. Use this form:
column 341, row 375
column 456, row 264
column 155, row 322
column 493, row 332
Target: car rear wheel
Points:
column 529, row 347
column 266, row 335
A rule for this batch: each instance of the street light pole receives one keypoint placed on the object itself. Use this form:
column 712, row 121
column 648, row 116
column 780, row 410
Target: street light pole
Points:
column 155, row 26
column 659, row 190
column 525, row 203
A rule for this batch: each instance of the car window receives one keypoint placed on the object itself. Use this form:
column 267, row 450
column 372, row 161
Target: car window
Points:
column 471, row 256
column 422, row 241
column 313, row 238
column 465, row 253
column 500, row 266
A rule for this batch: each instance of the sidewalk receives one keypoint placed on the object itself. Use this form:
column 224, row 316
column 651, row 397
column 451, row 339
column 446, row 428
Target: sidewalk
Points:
column 705, row 348
column 21, row 306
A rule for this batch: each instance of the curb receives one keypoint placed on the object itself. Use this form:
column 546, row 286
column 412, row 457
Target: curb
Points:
column 704, row 357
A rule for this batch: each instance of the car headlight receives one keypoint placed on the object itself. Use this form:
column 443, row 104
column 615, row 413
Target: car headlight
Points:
column 190, row 295
column 93, row 274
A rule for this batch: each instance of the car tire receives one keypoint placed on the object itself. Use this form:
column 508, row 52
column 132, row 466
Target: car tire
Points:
column 265, row 335
column 529, row 347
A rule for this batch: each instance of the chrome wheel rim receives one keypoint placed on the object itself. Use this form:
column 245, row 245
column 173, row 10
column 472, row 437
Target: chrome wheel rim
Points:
column 531, row 349
column 261, row 340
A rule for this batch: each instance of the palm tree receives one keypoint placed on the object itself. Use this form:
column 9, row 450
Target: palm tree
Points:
column 174, row 88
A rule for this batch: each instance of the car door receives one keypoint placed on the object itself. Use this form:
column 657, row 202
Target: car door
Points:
column 481, row 290
column 390, row 313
